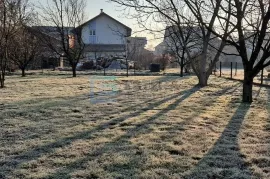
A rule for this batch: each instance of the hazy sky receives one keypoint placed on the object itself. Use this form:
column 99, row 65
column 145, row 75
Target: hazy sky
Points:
column 93, row 9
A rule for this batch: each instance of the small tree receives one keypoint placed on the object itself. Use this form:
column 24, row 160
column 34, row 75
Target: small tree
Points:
column 146, row 59
column 12, row 14
column 249, row 23
column 25, row 48
column 128, row 51
column 163, row 61
column 66, row 16
column 179, row 42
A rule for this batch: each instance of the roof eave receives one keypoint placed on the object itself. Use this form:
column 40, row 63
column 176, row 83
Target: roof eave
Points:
column 129, row 30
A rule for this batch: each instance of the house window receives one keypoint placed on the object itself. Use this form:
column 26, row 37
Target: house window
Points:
column 92, row 32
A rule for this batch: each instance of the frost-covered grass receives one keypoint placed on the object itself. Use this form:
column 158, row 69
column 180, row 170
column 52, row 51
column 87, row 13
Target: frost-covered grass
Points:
column 152, row 127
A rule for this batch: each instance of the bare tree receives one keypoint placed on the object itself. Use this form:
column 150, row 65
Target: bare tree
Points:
column 25, row 48
column 136, row 51
column 178, row 44
column 253, row 39
column 145, row 60
column 207, row 12
column 127, row 53
column 66, row 16
column 162, row 12
column 249, row 22
column 12, row 14
column 163, row 61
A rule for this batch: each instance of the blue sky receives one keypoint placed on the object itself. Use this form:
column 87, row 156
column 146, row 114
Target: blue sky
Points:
column 93, row 9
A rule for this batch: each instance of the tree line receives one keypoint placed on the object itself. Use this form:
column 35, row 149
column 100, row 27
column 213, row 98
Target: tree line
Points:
column 23, row 39
column 13, row 17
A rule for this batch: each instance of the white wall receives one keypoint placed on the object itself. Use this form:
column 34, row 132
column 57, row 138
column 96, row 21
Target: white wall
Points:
column 105, row 34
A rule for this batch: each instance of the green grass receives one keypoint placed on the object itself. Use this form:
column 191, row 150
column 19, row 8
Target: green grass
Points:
column 51, row 129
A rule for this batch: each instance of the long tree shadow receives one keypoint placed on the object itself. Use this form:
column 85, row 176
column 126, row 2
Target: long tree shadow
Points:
column 41, row 103
column 14, row 162
column 137, row 164
column 63, row 102
column 139, row 128
column 224, row 159
column 50, row 148
column 121, row 141
column 38, row 107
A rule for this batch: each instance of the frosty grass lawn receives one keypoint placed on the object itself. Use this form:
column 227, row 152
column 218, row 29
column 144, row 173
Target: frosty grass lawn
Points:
column 150, row 127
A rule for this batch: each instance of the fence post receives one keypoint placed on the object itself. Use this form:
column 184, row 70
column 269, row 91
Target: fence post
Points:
column 220, row 67
column 104, row 71
column 236, row 68
column 262, row 77
column 231, row 69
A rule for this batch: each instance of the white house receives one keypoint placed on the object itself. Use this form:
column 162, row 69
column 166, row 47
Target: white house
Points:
column 104, row 36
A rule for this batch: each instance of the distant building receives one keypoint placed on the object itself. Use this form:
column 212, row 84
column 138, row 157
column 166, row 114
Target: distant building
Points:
column 135, row 47
column 160, row 49
column 104, row 36
column 47, row 58
column 172, row 39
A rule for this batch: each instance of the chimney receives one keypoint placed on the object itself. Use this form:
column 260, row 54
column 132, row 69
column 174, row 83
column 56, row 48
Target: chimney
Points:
column 101, row 10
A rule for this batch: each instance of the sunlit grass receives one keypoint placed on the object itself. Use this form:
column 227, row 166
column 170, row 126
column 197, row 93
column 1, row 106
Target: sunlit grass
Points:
column 152, row 127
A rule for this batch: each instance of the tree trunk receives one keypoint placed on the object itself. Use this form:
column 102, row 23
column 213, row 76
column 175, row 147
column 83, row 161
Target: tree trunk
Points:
column 2, row 80
column 201, row 71
column 247, row 89
column 127, row 67
column 186, row 70
column 74, row 70
column 23, row 72
column 182, row 68
column 134, row 69
column 203, row 80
